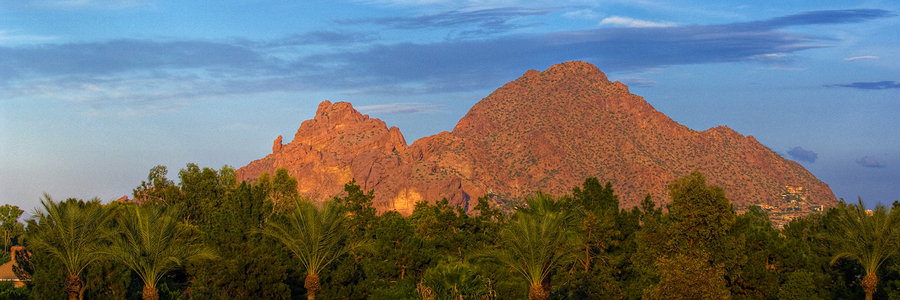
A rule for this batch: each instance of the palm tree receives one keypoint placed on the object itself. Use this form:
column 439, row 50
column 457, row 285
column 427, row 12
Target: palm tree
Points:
column 316, row 237
column 152, row 241
column 537, row 239
column 72, row 232
column 869, row 237
column 453, row 280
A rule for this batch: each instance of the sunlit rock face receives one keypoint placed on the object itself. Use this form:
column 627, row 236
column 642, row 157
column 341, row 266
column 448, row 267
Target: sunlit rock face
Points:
column 546, row 131
column 339, row 145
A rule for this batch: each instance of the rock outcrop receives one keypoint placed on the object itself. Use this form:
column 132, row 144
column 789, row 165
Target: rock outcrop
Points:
column 545, row 131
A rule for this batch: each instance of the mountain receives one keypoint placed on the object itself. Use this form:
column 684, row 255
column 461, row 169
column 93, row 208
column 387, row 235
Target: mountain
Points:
column 546, row 131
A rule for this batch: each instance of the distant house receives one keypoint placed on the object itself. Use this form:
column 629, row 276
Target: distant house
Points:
column 6, row 270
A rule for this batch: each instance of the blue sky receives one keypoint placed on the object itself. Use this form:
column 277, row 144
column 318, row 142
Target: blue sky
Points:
column 95, row 93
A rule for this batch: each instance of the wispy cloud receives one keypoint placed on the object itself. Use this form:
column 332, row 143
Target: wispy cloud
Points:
column 485, row 63
column 412, row 2
column 770, row 56
column 637, row 81
column 80, row 4
column 491, row 20
column 878, row 85
column 776, row 61
column 581, row 14
column 8, row 38
column 465, row 3
column 129, row 55
column 629, row 22
column 801, row 154
column 324, row 37
column 147, row 70
column 613, row 49
column 846, row 16
column 784, row 68
column 869, row 162
column 862, row 57
column 398, row 108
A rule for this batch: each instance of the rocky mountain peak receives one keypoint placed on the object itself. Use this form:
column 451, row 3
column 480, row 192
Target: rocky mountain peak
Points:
column 545, row 131
column 575, row 70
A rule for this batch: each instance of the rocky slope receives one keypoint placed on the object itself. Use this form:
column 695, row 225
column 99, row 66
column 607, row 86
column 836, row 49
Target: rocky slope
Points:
column 545, row 131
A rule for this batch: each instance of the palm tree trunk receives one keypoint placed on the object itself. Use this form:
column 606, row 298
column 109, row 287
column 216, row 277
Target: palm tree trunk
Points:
column 869, row 283
column 312, row 285
column 73, row 286
column 536, row 292
column 150, row 293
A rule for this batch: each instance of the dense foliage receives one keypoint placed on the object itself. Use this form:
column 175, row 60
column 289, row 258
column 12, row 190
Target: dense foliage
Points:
column 211, row 237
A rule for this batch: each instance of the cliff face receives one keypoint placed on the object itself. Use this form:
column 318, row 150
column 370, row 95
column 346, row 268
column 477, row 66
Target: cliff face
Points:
column 545, row 131
column 339, row 145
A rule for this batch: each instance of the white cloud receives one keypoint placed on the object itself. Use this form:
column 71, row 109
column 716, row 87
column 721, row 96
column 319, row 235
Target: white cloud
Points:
column 398, row 108
column 862, row 57
column 629, row 22
column 7, row 38
column 581, row 14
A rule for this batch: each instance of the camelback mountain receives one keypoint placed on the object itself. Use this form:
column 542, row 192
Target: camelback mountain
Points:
column 546, row 131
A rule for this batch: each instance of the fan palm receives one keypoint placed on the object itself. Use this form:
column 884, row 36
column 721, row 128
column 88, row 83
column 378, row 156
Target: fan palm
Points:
column 70, row 231
column 152, row 241
column 869, row 237
column 453, row 280
column 316, row 237
column 537, row 239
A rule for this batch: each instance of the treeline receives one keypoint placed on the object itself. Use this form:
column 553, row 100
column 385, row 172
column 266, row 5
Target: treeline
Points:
column 211, row 237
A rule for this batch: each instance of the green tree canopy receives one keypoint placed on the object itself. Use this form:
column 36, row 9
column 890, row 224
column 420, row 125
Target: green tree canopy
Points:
column 317, row 237
column 281, row 189
column 688, row 276
column 700, row 213
column 72, row 233
column 697, row 230
column 10, row 225
column 157, row 188
column 153, row 240
column 249, row 264
column 537, row 239
column 595, row 208
column 453, row 280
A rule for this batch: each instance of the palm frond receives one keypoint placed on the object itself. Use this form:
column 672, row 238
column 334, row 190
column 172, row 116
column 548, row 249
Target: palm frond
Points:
column 870, row 237
column 316, row 237
column 152, row 241
column 70, row 231
column 537, row 239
